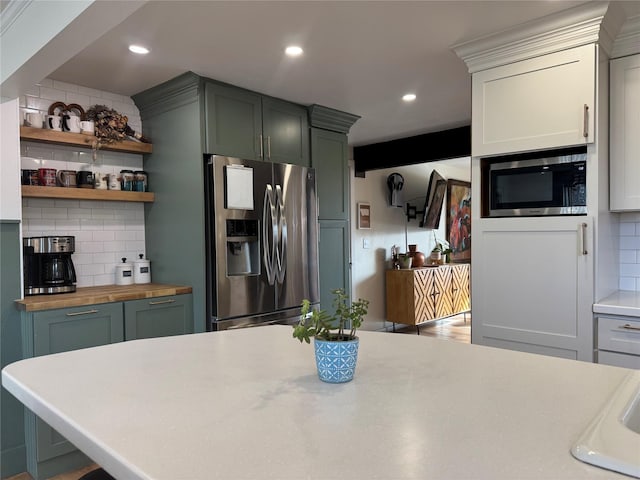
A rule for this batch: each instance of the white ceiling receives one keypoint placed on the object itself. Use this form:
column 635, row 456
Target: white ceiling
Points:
column 360, row 56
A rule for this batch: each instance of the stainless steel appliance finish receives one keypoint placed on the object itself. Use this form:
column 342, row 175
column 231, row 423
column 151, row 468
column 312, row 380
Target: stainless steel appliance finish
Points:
column 262, row 242
column 48, row 267
column 548, row 185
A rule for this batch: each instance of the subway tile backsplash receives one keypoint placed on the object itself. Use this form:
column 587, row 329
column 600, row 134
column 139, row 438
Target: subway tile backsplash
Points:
column 105, row 231
column 630, row 251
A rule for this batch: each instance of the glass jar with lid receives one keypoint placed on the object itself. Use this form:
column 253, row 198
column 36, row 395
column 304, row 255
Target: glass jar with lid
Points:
column 127, row 178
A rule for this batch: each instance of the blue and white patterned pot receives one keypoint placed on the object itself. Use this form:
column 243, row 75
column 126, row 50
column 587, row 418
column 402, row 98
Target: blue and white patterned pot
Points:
column 336, row 361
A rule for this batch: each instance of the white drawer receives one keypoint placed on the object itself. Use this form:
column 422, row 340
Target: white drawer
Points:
column 619, row 359
column 619, row 334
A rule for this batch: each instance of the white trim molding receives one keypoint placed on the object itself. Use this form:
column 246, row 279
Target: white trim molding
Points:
column 570, row 28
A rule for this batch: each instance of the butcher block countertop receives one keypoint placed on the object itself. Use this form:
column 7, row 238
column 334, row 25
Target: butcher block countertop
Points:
column 95, row 295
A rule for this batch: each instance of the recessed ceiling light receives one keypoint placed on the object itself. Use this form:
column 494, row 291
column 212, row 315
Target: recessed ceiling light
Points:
column 409, row 97
column 138, row 49
column 293, row 51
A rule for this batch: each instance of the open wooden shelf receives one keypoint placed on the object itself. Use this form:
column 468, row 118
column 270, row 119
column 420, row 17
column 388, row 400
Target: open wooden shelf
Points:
column 86, row 194
column 81, row 140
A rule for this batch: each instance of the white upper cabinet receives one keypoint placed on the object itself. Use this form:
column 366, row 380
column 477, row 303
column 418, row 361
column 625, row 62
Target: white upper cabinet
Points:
column 624, row 166
column 538, row 103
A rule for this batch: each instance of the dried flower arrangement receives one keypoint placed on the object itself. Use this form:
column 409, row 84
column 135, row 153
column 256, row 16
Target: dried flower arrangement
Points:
column 111, row 126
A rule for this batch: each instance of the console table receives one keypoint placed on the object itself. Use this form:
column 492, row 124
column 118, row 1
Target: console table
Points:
column 419, row 295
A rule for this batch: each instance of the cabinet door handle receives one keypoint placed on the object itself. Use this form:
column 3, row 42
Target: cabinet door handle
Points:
column 583, row 228
column 585, row 127
column 628, row 326
column 86, row 312
column 261, row 147
column 269, row 147
column 160, row 302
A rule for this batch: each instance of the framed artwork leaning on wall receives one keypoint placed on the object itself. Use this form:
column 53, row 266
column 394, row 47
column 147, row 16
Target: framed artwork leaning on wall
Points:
column 459, row 220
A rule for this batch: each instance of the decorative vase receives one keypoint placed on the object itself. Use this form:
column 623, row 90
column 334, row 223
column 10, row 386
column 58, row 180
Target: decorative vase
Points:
column 418, row 258
column 336, row 361
column 436, row 257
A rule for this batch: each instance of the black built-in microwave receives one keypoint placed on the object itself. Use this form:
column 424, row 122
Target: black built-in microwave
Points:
column 537, row 184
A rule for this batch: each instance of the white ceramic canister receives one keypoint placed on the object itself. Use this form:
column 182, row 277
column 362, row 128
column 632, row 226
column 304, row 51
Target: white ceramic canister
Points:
column 124, row 273
column 141, row 270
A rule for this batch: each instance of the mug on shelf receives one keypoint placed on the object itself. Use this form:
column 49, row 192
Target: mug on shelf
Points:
column 88, row 127
column 85, row 179
column 114, row 181
column 54, row 122
column 34, row 119
column 71, row 123
column 66, row 178
column 47, row 177
column 101, row 180
column 30, row 177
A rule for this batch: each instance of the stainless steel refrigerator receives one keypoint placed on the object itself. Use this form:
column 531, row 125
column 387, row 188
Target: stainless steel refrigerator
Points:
column 262, row 242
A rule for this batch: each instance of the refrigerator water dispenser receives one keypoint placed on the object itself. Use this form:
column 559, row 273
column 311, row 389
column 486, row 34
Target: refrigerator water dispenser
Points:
column 243, row 247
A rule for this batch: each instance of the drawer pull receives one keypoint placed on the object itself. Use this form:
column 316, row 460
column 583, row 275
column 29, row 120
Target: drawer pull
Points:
column 161, row 302
column 86, row 312
column 585, row 127
column 628, row 326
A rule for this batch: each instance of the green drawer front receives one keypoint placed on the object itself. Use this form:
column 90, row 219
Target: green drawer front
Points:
column 158, row 317
column 68, row 329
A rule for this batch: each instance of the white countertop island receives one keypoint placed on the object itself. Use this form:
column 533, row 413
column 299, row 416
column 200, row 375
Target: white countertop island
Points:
column 247, row 404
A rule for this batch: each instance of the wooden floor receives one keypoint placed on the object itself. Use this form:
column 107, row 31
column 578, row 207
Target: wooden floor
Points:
column 452, row 328
column 457, row 329
column 75, row 475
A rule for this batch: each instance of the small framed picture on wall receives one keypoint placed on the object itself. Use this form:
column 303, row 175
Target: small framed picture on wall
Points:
column 364, row 215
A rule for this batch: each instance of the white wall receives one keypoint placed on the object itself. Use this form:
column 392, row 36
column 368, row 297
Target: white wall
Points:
column 104, row 231
column 389, row 226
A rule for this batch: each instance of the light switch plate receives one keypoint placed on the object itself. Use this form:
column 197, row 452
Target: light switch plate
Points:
column 366, row 243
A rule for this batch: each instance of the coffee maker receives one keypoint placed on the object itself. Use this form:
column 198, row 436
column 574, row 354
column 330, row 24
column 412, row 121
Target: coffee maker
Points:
column 47, row 265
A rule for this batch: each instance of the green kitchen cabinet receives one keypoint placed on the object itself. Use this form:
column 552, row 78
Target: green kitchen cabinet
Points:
column 55, row 331
column 158, row 317
column 247, row 125
column 233, row 121
column 330, row 160
column 285, row 131
column 172, row 115
column 329, row 157
column 334, row 262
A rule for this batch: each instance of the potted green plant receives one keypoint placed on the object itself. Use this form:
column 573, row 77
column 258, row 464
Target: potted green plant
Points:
column 405, row 260
column 440, row 249
column 334, row 336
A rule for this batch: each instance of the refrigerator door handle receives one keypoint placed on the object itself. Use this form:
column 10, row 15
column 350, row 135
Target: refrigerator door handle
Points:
column 281, row 252
column 269, row 231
